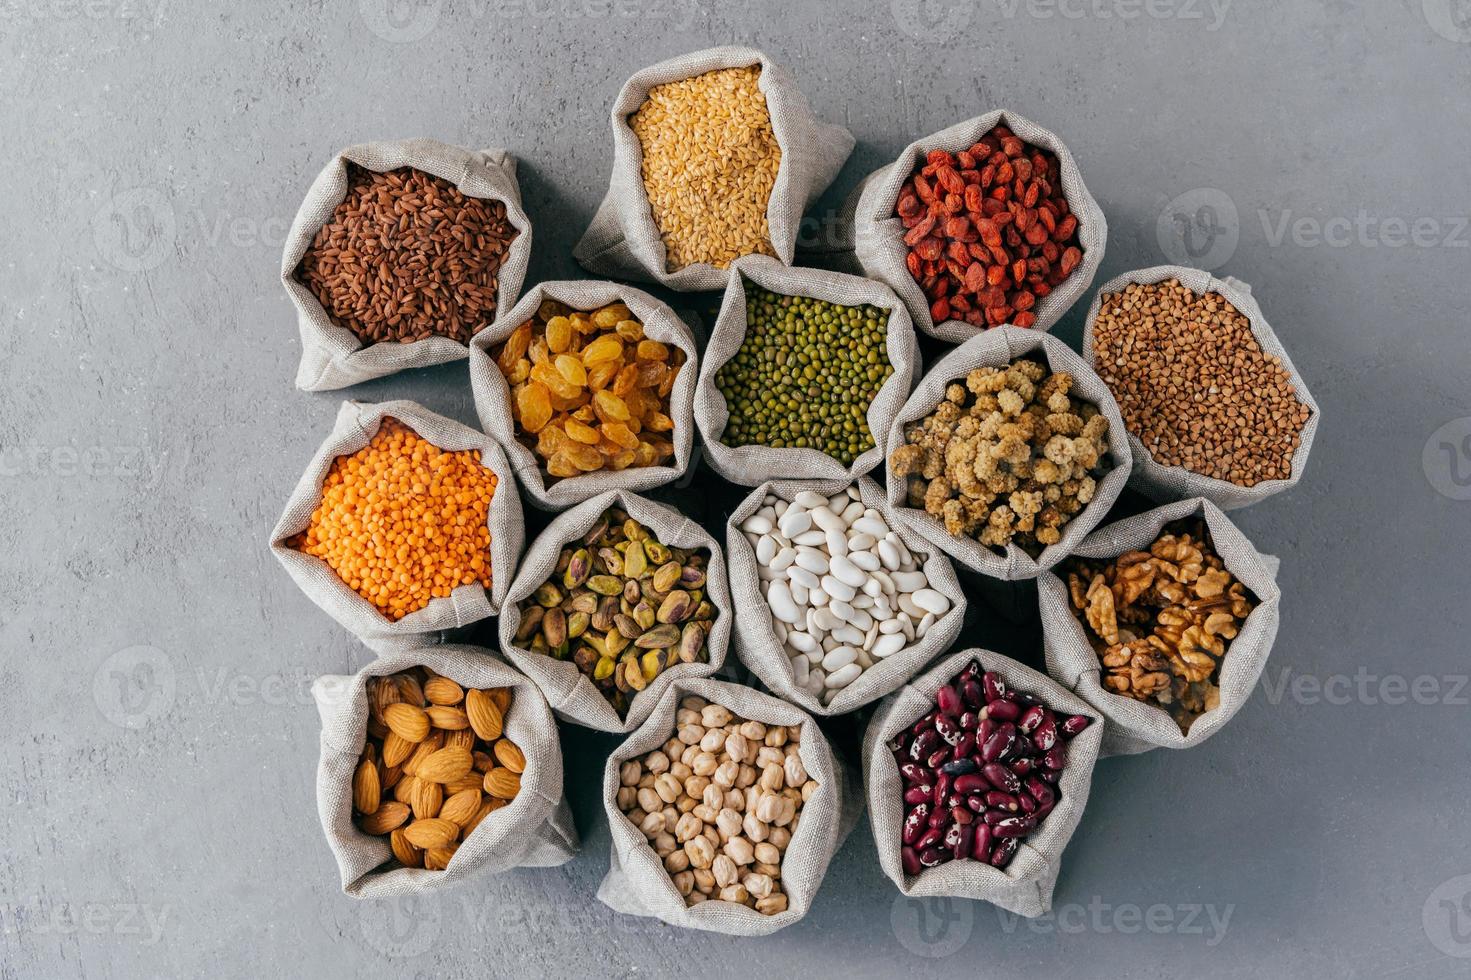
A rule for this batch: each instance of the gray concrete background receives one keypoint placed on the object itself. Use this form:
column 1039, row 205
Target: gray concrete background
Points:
column 158, row 806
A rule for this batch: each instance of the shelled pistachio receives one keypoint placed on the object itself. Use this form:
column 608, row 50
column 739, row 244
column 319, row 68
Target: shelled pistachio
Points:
column 622, row 606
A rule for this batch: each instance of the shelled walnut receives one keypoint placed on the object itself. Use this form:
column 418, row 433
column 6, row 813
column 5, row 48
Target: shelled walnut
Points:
column 1161, row 619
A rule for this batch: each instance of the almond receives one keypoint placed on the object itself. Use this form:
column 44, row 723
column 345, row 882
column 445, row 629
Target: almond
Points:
column 484, row 761
column 464, row 738
column 384, row 819
column 376, row 728
column 427, row 799
column 485, row 715
column 470, row 780
column 502, row 783
column 422, row 751
column 488, row 806
column 409, row 690
column 450, row 719
column 438, row 858
column 404, row 790
column 365, row 787
column 502, row 698
column 442, row 690
column 396, row 749
column 446, row 765
column 407, row 721
column 408, row 855
column 383, row 693
column 434, row 832
column 510, row 756
column 462, row 807
column 390, row 777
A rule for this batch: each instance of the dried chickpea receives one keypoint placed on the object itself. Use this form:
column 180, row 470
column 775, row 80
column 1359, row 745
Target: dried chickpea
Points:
column 402, row 521
column 588, row 390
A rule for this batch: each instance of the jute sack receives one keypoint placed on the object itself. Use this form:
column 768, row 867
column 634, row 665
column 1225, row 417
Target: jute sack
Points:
column 332, row 356
column 357, row 423
column 534, row 831
column 750, row 465
column 638, row 884
column 1134, row 726
column 1025, row 885
column 1164, row 483
column 877, row 234
column 997, row 348
column 493, row 394
column 623, row 241
column 572, row 695
column 757, row 643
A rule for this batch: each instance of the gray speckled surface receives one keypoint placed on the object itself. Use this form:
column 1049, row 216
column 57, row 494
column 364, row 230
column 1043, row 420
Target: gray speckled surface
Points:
column 158, row 815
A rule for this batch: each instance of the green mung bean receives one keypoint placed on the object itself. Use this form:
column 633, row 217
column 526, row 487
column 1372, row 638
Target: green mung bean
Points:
column 805, row 374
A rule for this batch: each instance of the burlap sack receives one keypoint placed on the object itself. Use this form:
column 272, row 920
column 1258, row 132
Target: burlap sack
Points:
column 534, row 831
column 332, row 356
column 1132, row 725
column 623, row 241
column 638, row 884
column 996, row 348
column 571, row 694
column 750, row 465
column 493, row 395
column 357, row 423
column 1174, row 482
column 874, row 234
column 756, row 642
column 1024, row 886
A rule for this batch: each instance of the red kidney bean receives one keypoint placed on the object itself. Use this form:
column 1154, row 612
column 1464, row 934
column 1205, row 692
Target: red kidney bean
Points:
column 1045, row 736
column 915, row 824
column 999, row 745
column 949, row 729
column 980, row 846
column 919, row 793
column 1004, row 710
column 1003, row 852
column 1075, row 725
column 979, row 772
column 913, row 772
column 1019, row 826
column 948, row 701
column 1001, row 777
column 971, row 782
column 924, row 743
column 1040, row 791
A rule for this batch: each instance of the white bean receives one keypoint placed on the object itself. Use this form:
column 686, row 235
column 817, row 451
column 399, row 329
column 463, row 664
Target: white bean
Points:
column 843, row 569
column 783, row 559
column 810, row 538
column 812, row 560
column 931, row 601
column 839, row 589
column 765, row 549
column 783, row 606
column 842, row 678
column 756, row 524
column 810, row 499
column 795, row 522
column 887, row 644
